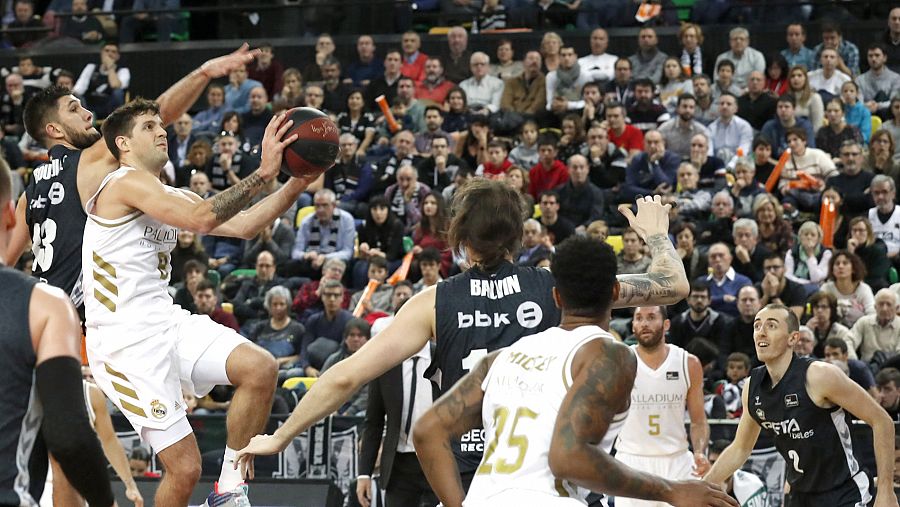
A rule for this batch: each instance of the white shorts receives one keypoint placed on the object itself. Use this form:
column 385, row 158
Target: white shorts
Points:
column 517, row 497
column 145, row 378
column 674, row 467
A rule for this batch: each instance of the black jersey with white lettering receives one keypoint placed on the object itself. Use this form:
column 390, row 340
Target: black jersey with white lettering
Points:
column 56, row 220
column 478, row 312
column 22, row 471
column 814, row 441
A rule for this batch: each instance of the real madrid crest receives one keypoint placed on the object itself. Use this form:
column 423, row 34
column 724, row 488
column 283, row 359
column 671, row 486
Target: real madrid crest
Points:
column 157, row 409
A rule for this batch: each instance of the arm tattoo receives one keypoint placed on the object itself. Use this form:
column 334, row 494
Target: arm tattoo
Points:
column 584, row 418
column 230, row 202
column 659, row 285
column 460, row 409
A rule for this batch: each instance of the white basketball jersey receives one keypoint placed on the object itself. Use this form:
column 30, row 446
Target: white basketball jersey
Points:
column 126, row 268
column 655, row 424
column 523, row 391
column 889, row 232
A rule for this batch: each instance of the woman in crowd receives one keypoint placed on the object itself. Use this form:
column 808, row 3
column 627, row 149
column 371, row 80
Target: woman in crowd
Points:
column 872, row 251
column 357, row 121
column 231, row 124
column 517, row 177
column 381, row 235
column 431, row 231
column 845, row 282
column 506, row 66
column 673, row 83
column 456, row 111
column 808, row 103
column 188, row 247
column 291, row 94
column 776, row 74
column 199, row 159
column 774, row 231
column 692, row 60
column 830, row 137
column 573, row 140
column 881, row 155
column 695, row 264
column 281, row 335
column 551, row 44
column 472, row 144
column 356, row 333
column 824, row 322
column 807, row 261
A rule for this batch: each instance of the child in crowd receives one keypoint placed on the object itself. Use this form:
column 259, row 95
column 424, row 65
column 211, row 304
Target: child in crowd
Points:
column 497, row 160
column 526, row 153
column 856, row 113
column 737, row 370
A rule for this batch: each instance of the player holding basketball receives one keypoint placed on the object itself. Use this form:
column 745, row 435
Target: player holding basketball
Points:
column 802, row 403
column 488, row 307
column 142, row 347
column 668, row 381
column 551, row 405
column 51, row 211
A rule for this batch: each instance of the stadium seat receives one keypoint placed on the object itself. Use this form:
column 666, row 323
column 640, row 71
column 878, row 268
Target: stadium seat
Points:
column 303, row 213
column 615, row 242
column 294, row 381
column 684, row 9
column 242, row 273
column 876, row 123
column 537, row 212
column 214, row 277
column 893, row 277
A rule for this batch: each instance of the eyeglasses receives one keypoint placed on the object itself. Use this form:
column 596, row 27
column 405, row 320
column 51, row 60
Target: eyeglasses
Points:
column 850, row 153
column 331, row 295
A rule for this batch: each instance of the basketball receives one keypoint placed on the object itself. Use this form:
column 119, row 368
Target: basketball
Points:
column 316, row 148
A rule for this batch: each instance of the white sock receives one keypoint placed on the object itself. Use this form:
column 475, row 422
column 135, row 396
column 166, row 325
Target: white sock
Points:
column 229, row 478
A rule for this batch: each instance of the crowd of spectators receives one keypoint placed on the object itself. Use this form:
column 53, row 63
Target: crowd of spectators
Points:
column 577, row 136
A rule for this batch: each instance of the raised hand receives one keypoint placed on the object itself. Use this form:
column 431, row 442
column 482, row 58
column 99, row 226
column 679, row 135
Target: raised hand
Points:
column 652, row 216
column 273, row 145
column 223, row 65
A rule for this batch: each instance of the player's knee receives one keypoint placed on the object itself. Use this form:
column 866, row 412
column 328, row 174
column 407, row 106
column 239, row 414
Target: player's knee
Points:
column 186, row 471
column 256, row 368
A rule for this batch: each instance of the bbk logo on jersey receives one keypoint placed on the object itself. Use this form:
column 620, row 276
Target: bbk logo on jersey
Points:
column 790, row 428
column 528, row 315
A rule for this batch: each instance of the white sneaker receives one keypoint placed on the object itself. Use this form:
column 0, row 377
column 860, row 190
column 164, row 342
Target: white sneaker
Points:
column 234, row 498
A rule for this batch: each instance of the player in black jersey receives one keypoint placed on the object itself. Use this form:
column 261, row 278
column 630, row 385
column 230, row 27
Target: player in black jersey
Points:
column 51, row 211
column 488, row 307
column 805, row 405
column 41, row 377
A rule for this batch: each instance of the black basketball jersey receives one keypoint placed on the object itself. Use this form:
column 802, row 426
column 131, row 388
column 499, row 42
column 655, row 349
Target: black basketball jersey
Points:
column 22, row 466
column 478, row 312
column 814, row 441
column 56, row 220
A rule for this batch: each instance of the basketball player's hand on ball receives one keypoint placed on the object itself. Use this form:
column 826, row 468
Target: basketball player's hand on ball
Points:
column 701, row 465
column 223, row 65
column 652, row 216
column 273, row 145
column 699, row 494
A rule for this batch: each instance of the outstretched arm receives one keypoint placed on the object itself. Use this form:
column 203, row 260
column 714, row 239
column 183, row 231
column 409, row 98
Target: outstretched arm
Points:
column 665, row 282
column 699, row 426
column 735, row 455
column 604, row 374
column 453, row 414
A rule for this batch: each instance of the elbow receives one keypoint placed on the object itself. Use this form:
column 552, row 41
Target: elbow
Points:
column 424, row 431
column 559, row 461
column 682, row 288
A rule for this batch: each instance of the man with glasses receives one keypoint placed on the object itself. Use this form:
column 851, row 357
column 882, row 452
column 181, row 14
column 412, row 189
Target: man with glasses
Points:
column 325, row 329
column 483, row 91
column 885, row 216
column 328, row 233
column 438, row 170
column 776, row 288
column 852, row 182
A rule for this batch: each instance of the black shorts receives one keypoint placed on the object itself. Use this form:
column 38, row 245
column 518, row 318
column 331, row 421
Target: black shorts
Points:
column 854, row 492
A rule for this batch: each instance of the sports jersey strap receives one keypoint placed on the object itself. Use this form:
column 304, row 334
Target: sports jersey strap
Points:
column 684, row 367
column 591, row 334
column 89, row 208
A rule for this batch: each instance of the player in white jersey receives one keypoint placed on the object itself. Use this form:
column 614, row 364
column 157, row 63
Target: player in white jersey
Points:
column 143, row 349
column 668, row 380
column 551, row 405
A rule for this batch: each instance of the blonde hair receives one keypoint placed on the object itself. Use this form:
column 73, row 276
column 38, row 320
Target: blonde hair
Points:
column 763, row 199
column 688, row 26
column 810, row 225
column 548, row 36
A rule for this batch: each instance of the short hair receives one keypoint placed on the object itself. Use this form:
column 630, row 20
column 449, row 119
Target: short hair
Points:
column 487, row 217
column 793, row 323
column 837, row 343
column 623, row 59
column 549, row 193
column 278, row 291
column 331, row 284
column 883, row 178
column 831, row 27
column 348, row 137
column 761, row 140
column 498, row 143
column 205, row 285
column 585, row 272
column 140, row 454
column 615, row 105
column 840, row 103
column 358, row 324
column 194, row 265
column 431, row 107
column 738, row 30
column 787, row 98
column 546, row 140
column 326, row 193
column 644, row 82
column 121, row 121
column 745, row 223
column 686, row 96
column 826, row 297
column 701, row 76
column 725, row 62
column 41, row 109
column 378, row 262
column 886, row 376
column 330, row 60
column 774, row 256
column 429, row 255
column 334, row 261
column 857, row 265
column 736, row 357
column 700, row 285
column 728, row 94
column 718, row 446
column 877, row 45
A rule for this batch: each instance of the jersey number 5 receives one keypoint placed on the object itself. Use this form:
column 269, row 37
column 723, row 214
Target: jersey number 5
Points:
column 520, row 442
column 42, row 244
column 653, row 421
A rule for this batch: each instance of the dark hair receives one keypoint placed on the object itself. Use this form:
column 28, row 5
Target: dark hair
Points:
column 590, row 84
column 228, row 116
column 63, row 73
column 547, row 140
column 616, row 105
column 787, row 98
column 700, row 285
column 837, row 343
column 739, row 356
column 379, row 201
column 681, row 226
column 205, row 285
column 686, row 96
column 706, row 351
column 41, row 109
column 728, row 94
column 487, row 218
column 718, row 446
column 357, row 323
column 644, row 82
column 194, row 265
column 877, row 45
column 793, row 323
column 438, row 225
column 378, row 262
column 585, row 272
column 432, row 107
column 429, row 254
column 831, row 27
column 858, row 266
column 761, row 140
column 121, row 121
column 406, row 78
column 549, row 193
column 404, row 283
column 725, row 62
column 140, row 454
column 796, row 131
column 828, row 298
column 623, row 59
column 840, row 103
column 886, row 376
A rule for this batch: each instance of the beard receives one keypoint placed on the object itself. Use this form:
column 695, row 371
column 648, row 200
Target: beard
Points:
column 651, row 341
column 83, row 139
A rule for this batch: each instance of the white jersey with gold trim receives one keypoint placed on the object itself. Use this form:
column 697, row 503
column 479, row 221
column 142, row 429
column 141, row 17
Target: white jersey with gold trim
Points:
column 126, row 268
column 655, row 425
column 523, row 391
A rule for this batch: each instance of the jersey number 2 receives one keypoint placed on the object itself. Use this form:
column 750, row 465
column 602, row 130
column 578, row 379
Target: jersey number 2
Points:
column 796, row 460
column 520, row 442
column 44, row 234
